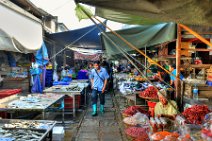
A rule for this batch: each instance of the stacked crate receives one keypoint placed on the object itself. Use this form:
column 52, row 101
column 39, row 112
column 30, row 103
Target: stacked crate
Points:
column 5, row 93
column 69, row 102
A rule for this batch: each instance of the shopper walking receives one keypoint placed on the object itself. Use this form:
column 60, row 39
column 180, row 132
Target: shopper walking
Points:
column 99, row 77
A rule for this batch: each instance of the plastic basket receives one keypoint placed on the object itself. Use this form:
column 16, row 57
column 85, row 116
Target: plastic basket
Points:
column 69, row 102
column 60, row 83
column 151, row 104
column 8, row 92
column 209, row 77
column 3, row 114
column 209, row 83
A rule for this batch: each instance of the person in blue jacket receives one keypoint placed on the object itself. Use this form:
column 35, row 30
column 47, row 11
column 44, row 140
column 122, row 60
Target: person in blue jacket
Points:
column 67, row 74
column 99, row 77
column 174, row 74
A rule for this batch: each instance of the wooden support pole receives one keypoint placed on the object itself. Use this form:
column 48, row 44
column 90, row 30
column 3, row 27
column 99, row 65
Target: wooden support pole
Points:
column 196, row 35
column 178, row 55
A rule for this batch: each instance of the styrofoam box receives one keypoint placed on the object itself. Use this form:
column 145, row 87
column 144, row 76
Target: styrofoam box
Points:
column 58, row 133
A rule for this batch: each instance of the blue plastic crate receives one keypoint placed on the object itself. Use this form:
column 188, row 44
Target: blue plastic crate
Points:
column 60, row 83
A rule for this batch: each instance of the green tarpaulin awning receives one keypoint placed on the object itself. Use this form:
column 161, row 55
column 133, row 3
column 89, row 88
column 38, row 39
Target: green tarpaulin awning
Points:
column 140, row 37
column 189, row 12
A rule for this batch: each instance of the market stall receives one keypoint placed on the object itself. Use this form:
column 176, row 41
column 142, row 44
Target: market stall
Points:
column 72, row 90
column 16, row 129
column 32, row 102
column 193, row 124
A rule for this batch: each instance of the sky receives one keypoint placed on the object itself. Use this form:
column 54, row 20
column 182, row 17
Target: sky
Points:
column 64, row 9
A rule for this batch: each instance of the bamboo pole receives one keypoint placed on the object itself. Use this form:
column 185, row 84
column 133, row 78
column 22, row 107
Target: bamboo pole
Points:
column 196, row 35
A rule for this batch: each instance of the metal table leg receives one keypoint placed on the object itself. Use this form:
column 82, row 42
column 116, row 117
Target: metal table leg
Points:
column 11, row 115
column 50, row 135
column 63, row 112
column 74, row 106
column 85, row 95
column 43, row 114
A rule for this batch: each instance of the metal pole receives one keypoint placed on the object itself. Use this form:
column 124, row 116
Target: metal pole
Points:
column 64, row 58
column 178, row 55
column 145, row 63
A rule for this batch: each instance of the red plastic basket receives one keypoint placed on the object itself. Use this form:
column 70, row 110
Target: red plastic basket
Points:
column 9, row 92
column 151, row 104
column 3, row 114
column 69, row 102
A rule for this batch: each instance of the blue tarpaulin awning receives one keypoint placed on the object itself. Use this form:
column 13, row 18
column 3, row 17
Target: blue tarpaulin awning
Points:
column 87, row 37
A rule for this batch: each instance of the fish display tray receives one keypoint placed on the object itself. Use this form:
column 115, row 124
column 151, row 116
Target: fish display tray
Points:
column 43, row 99
column 42, row 132
column 48, row 124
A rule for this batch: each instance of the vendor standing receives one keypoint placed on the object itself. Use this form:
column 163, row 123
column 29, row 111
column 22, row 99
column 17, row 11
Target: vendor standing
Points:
column 173, row 75
column 165, row 107
column 99, row 77
column 162, row 74
column 90, row 67
column 67, row 74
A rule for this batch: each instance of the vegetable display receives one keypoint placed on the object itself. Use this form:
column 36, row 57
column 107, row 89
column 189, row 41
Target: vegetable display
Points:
column 130, row 111
column 150, row 92
column 196, row 114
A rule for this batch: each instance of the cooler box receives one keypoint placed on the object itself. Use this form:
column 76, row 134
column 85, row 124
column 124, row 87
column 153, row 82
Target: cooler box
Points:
column 58, row 134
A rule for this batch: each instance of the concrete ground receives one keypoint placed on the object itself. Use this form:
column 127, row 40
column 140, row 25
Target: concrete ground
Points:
column 104, row 127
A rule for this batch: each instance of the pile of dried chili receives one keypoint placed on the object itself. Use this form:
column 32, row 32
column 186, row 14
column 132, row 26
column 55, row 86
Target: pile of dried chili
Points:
column 196, row 114
column 150, row 92
column 130, row 111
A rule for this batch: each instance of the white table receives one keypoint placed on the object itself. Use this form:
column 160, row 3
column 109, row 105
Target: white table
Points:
column 62, row 90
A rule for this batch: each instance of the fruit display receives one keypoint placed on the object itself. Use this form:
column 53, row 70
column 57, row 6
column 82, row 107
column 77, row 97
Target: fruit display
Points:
column 196, row 114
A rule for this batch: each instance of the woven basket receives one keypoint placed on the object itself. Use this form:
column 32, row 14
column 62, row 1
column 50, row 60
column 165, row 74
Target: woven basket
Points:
column 125, row 115
column 130, row 138
column 128, row 125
